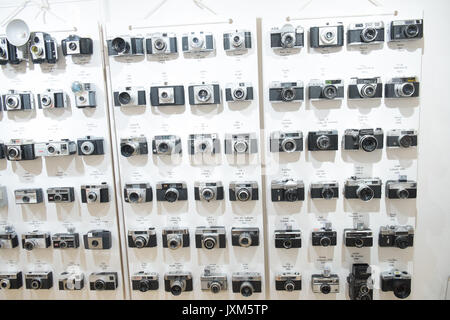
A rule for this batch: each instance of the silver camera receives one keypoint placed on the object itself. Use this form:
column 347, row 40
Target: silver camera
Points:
column 288, row 281
column 287, row 37
column 210, row 237
column 161, row 43
column 103, row 281
column 288, row 238
column 396, row 236
column 43, row 48
column 245, row 237
column 235, row 92
column 175, row 238
column 130, row 96
column 286, row 91
column 142, row 238
column 398, row 138
column 18, row 100
column 52, row 99
column 401, row 188
column 125, row 46
column 208, row 191
column 281, row 141
column 326, row 36
column 29, row 196
column 8, row 238
column 364, row 189
column 177, row 282
column 20, row 149
column 36, row 239
column 11, row 280
column 325, row 283
column 246, row 283
column 133, row 146
column 241, row 143
column 39, row 280
column 243, row 190
column 64, row 147
column 358, row 237
column 145, row 281
column 85, row 94
column 166, row 145
column 213, row 281
column 71, row 281
column 204, row 93
column 138, row 192
column 204, row 143
column 61, row 194
column 97, row 193
column 327, row 190
column 326, row 89
column 365, row 88
column 198, row 42
column 237, row 41
column 289, row 190
column 3, row 197
column 365, row 33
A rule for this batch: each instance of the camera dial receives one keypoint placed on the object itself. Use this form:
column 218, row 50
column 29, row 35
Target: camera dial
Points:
column 325, row 241
column 325, row 288
column 323, row 142
column 405, row 89
column 330, row 91
column 289, row 145
column 368, row 143
column 208, row 194
column 159, row 44
column 243, row 194
column 287, row 94
column 411, row 31
column 36, row 284
column 237, row 40
column 87, row 147
column 245, row 240
column 12, row 102
column 177, row 287
column 365, row 193
column 171, row 195
column 240, row 146
column 5, row 284
column 402, row 193
column 175, row 242
column 368, row 90
column 209, row 242
column 99, row 284
column 369, row 34
column 246, row 289
column 215, row 287
column 29, row 245
column 204, row 94
column 120, row 45
column 327, row 193
column 289, row 286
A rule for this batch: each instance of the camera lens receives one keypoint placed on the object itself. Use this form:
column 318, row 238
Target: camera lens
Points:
column 368, row 143
column 92, row 196
column 203, row 94
column 325, row 288
column 246, row 289
column 401, row 290
column 359, row 243
column 144, row 285
column 291, row 195
column 237, row 40
column 5, row 284
column 243, row 195
column 35, row 284
column 176, row 288
column 36, row 50
column 29, row 245
column 2, row 53
column 405, row 89
column 240, row 146
column 238, row 94
column 411, row 31
column 203, row 146
column 209, row 243
column 405, row 141
column 402, row 193
column 51, row 149
column 140, row 242
column 289, row 286
column 46, row 101
column 25, row 199
column 327, row 193
column 287, row 244
column 325, row 241
column 12, row 101
column 171, row 195
column 215, row 287
column 73, row 46
column 368, row 91
column 369, row 34
column 365, row 193
column 174, row 243
column 63, row 244
column 329, row 35
column 401, row 242
column 287, row 40
column 99, row 285
column 288, row 145
column 13, row 153
column 163, row 147
column 87, row 147
column 124, row 98
column 208, row 194
column 159, row 44
column 329, row 92
column 245, row 240
column 94, row 243
column 323, row 142
column 134, row 197
column 119, row 45
column 364, row 289
column 196, row 42
column 128, row 149
column 287, row 94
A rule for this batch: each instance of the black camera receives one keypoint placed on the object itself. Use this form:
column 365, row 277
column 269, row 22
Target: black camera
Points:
column 327, row 190
column 167, row 96
column 137, row 192
column 129, row 96
column 171, row 191
column 396, row 236
column 36, row 240
column 210, row 237
column 398, row 138
column 208, row 191
column 133, row 146
column 140, row 238
column 18, row 100
column 288, row 190
column 287, row 37
column 401, row 188
column 11, row 280
column 61, row 194
column 8, row 238
column 175, row 237
column 397, row 281
column 364, row 189
column 235, row 92
column 286, row 91
column 243, row 191
column 288, row 238
column 10, row 53
column 325, row 89
column 324, row 236
column 66, row 240
column 365, row 33
column 97, row 193
column 358, row 237
column 246, row 283
column 75, row 45
column 286, row 141
column 177, row 282
column 360, row 283
column 237, row 41
column 90, row 146
column 18, row 150
column 326, row 36
column 125, row 46
column 97, row 239
column 244, row 237
column 288, row 281
column 407, row 87
column 43, row 48
column 204, row 93
column 402, row 30
column 365, row 88
column 103, row 281
column 326, row 140
column 39, row 280
column 161, row 43
column 145, row 281
column 325, row 283
column 367, row 140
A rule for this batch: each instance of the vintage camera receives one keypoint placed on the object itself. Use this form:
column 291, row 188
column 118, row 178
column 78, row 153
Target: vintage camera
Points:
column 397, row 281
column 241, row 143
column 402, row 30
column 281, row 141
column 167, row 96
column 287, row 37
column 398, row 138
column 360, row 283
column 246, row 283
column 66, row 240
column 235, row 92
column 365, row 33
column 326, row 89
column 64, row 147
column 401, row 188
column 204, row 93
column 76, row 45
column 210, row 237
column 10, row 53
column 364, row 189
column 85, row 94
column 91, row 146
column 95, row 193
column 161, row 43
column 29, row 196
column 237, row 40
column 325, row 283
column 140, row 238
column 11, row 280
column 396, row 236
column 407, row 87
column 125, row 46
column 171, row 191
column 97, row 239
column 166, row 145
column 208, row 191
column 19, row 149
column 4, row 50
column 204, row 143
column 286, row 91
column 35, row 240
column 324, row 236
column 327, row 190
column 288, row 238
column 71, row 281
column 326, row 140
column 129, row 96
column 358, row 237
column 18, row 100
column 245, row 237
column 133, row 146
column 177, row 282
column 137, row 192
column 288, row 281
column 326, row 36
column 175, row 237
column 145, row 281
column 61, row 194
column 243, row 190
column 3, row 197
column 213, row 281
column 43, row 48
column 103, row 281
column 8, row 238
column 367, row 140
column 287, row 190
column 198, row 42
column 39, row 280
column 365, row 88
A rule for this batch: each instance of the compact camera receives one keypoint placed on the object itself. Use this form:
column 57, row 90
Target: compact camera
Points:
column 43, row 48
column 288, row 281
column 85, row 94
column 213, row 281
column 29, row 196
column 177, row 282
column 237, row 41
column 398, row 138
column 326, row 140
column 325, row 283
column 18, row 150
column 125, row 46
column 364, row 189
column 97, row 239
column 286, row 91
column 327, row 190
column 36, row 240
column 245, row 237
column 140, row 238
column 360, row 283
column 133, row 146
column 365, row 88
column 18, row 100
column 407, row 87
column 167, row 96
column 137, row 192
column 103, row 281
column 235, row 92
column 246, row 283
column 204, row 143
column 71, row 281
column 10, row 53
column 287, row 190
column 358, row 237
column 61, row 194
column 281, row 141
column 204, row 93
column 365, row 33
column 243, row 190
column 129, row 96
column 367, row 140
column 326, row 89
column 161, row 43
column 207, row 191
column 66, row 240
column 241, row 143
column 210, row 237
column 11, row 280
column 171, row 191
column 8, row 238
column 396, row 236
column 145, row 281
column 326, row 36
column 166, row 145
column 64, row 147
column 52, row 99
column 96, row 193
column 198, row 42
column 175, row 237
column 399, row 282
column 287, row 37
column 39, row 280
column 76, row 45
column 401, row 188
column 91, row 146
column 288, row 238
column 324, row 236
column 402, row 30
